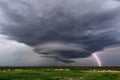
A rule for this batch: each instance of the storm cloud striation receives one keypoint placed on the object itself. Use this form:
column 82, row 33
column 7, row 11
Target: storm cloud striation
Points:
column 60, row 29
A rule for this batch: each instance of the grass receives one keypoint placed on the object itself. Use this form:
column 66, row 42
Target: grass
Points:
column 77, row 73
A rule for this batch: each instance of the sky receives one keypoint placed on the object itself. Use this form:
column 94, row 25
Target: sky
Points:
column 59, row 33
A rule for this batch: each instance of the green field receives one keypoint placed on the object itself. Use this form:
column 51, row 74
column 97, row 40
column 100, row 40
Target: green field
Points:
column 64, row 73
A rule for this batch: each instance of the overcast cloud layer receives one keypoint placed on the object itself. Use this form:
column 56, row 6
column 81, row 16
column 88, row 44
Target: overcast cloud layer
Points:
column 63, row 30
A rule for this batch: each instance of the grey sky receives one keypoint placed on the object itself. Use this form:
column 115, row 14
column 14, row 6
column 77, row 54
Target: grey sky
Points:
column 38, row 31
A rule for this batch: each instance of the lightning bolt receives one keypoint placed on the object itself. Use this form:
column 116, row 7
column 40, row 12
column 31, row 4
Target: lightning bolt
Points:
column 97, row 59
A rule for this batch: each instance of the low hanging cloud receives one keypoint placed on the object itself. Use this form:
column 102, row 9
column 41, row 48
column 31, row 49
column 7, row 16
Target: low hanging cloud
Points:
column 61, row 51
column 63, row 30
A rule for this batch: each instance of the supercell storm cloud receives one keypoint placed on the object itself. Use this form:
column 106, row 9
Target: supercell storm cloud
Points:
column 63, row 30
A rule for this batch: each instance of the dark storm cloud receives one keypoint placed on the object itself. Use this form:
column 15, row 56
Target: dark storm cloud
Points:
column 60, row 32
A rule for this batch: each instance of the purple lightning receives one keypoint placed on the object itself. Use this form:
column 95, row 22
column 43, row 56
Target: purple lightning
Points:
column 97, row 59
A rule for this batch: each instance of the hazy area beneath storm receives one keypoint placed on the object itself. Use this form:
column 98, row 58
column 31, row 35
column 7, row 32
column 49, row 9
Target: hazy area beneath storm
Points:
column 62, row 30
